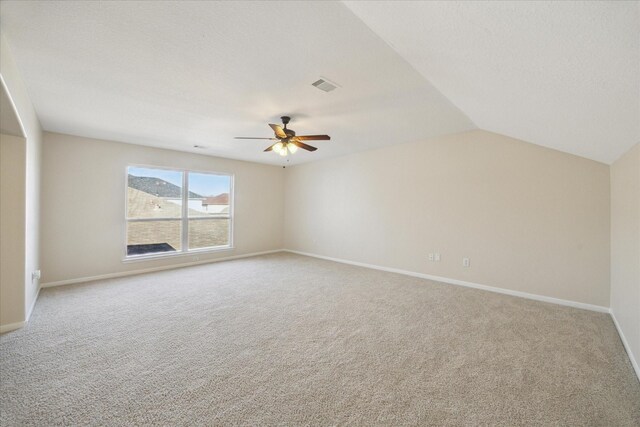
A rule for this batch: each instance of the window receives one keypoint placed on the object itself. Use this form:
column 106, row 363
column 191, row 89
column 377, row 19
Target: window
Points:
column 173, row 211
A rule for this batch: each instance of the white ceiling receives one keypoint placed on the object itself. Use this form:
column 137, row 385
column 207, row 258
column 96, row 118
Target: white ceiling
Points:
column 561, row 74
column 175, row 74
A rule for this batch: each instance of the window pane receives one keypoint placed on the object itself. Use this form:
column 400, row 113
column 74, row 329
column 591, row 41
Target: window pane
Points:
column 150, row 237
column 207, row 233
column 154, row 193
column 209, row 195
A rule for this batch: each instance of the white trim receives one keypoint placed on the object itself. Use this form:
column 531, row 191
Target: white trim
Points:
column 520, row 294
column 33, row 304
column 17, row 325
column 184, row 218
column 161, row 255
column 625, row 343
column 11, row 327
column 152, row 269
column 13, row 105
column 600, row 309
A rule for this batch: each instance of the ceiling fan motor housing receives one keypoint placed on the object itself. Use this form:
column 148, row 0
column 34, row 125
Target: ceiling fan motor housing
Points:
column 285, row 122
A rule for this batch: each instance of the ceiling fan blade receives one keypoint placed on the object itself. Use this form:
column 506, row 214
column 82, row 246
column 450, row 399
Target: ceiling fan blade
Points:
column 302, row 144
column 278, row 130
column 251, row 137
column 313, row 137
column 270, row 148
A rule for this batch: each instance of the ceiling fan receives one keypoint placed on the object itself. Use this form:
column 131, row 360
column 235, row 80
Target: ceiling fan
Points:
column 288, row 142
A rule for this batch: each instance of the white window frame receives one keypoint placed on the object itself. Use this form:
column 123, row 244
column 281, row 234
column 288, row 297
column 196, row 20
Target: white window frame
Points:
column 184, row 218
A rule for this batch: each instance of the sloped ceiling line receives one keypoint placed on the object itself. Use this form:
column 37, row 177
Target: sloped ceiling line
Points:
column 564, row 75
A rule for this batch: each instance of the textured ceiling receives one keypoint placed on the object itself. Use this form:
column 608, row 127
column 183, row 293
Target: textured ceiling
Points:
column 175, row 74
column 564, row 75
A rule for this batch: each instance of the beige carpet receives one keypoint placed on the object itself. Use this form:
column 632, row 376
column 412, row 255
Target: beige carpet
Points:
column 290, row 340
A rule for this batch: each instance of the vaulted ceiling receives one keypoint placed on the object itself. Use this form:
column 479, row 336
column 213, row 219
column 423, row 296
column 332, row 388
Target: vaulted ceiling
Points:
column 561, row 74
column 179, row 74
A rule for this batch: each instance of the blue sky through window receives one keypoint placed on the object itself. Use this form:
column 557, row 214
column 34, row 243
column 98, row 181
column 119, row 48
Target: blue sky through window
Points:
column 209, row 185
column 200, row 183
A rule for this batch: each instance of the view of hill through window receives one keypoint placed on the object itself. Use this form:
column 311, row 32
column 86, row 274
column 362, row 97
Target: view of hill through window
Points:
column 176, row 211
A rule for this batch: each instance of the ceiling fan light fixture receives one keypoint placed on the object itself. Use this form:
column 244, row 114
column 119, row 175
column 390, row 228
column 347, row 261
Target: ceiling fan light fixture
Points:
column 288, row 141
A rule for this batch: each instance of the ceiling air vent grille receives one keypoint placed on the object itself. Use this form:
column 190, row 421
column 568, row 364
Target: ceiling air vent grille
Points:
column 324, row 85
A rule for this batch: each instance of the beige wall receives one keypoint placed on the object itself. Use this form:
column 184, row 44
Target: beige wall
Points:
column 12, row 229
column 83, row 205
column 530, row 218
column 625, row 248
column 33, row 134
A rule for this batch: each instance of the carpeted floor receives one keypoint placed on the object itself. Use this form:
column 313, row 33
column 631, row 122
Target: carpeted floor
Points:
column 290, row 340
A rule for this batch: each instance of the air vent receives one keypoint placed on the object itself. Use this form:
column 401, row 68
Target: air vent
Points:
column 324, row 85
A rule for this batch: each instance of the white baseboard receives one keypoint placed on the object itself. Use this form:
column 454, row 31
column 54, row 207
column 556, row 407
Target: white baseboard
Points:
column 625, row 343
column 33, row 304
column 11, row 327
column 520, row 294
column 150, row 270
column 634, row 363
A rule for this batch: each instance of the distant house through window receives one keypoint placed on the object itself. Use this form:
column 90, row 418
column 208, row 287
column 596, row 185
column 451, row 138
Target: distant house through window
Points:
column 175, row 211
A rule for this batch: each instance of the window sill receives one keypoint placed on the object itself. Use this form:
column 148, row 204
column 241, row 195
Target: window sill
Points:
column 192, row 252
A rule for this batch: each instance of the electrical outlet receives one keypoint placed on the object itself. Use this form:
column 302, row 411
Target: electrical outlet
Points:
column 36, row 275
column 431, row 257
column 437, row 257
column 466, row 262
